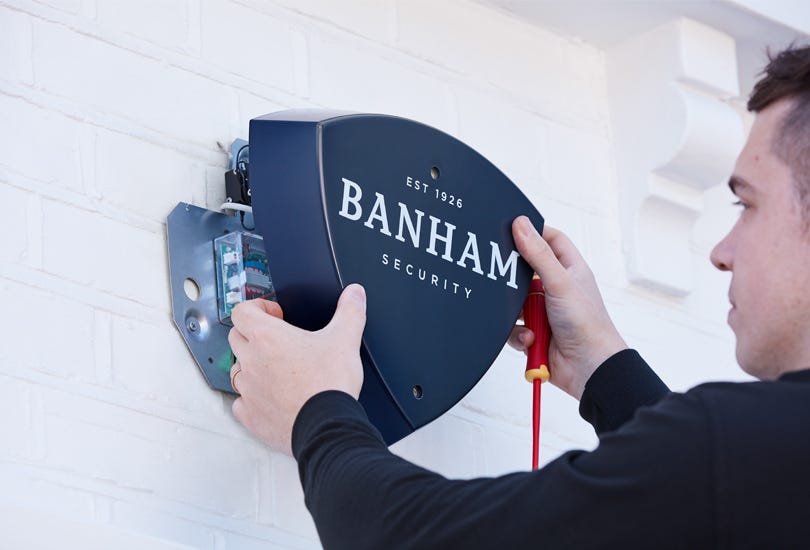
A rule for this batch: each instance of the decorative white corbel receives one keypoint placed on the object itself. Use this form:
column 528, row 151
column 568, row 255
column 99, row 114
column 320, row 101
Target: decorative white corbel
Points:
column 675, row 137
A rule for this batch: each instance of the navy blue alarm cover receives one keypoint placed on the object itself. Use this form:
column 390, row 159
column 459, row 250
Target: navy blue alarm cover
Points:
column 417, row 217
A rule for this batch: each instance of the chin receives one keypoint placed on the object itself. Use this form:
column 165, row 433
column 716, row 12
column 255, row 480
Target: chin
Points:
column 750, row 363
column 760, row 368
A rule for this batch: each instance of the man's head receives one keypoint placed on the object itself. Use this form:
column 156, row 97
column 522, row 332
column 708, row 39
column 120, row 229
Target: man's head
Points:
column 768, row 249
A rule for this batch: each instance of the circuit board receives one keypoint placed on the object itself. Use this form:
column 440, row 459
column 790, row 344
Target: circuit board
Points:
column 242, row 271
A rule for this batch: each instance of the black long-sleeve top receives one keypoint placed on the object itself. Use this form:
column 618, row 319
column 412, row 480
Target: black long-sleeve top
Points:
column 724, row 465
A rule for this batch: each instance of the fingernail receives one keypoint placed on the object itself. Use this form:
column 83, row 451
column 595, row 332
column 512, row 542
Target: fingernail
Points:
column 357, row 293
column 522, row 338
column 525, row 226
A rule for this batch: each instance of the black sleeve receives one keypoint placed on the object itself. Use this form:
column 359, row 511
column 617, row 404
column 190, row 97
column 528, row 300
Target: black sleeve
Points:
column 617, row 389
column 648, row 484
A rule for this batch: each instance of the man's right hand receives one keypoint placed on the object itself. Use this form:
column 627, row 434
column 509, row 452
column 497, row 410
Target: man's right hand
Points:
column 582, row 333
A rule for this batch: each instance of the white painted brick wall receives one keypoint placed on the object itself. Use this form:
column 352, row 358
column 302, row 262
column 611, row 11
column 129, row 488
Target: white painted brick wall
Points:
column 110, row 114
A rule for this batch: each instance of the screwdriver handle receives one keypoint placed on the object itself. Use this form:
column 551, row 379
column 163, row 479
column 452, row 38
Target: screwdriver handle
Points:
column 535, row 318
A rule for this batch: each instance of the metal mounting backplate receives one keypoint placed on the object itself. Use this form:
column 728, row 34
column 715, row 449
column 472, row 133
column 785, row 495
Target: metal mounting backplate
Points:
column 191, row 231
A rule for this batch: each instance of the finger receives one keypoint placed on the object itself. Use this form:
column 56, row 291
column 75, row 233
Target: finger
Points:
column 239, row 344
column 269, row 307
column 239, row 411
column 521, row 338
column 540, row 256
column 248, row 317
column 563, row 247
column 350, row 315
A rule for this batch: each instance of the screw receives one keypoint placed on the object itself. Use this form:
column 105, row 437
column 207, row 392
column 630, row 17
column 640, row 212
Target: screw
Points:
column 193, row 325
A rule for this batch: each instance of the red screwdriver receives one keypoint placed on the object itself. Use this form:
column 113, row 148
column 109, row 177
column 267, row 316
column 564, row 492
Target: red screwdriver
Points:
column 535, row 318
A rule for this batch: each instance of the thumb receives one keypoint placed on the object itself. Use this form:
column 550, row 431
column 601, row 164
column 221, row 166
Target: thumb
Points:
column 537, row 252
column 350, row 315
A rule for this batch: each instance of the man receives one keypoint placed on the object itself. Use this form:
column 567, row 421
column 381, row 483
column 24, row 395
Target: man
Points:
column 723, row 465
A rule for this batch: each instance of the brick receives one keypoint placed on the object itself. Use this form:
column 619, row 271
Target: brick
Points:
column 287, row 497
column 370, row 18
column 578, row 166
column 164, row 369
column 248, row 43
column 551, row 73
column 509, row 137
column 50, row 333
column 15, row 47
column 119, row 82
column 569, row 218
column 252, row 106
column 670, row 347
column 506, row 452
column 128, row 262
column 70, row 6
column 347, row 77
column 560, row 416
column 140, row 452
column 300, row 48
column 33, row 215
column 161, row 524
column 105, row 453
column 213, row 472
column 26, row 488
column 448, row 445
column 14, row 225
column 23, row 528
column 214, row 186
column 162, row 22
column 39, row 134
column 16, row 430
column 600, row 241
column 502, row 392
column 142, row 177
column 102, row 346
column 274, row 540
column 446, row 33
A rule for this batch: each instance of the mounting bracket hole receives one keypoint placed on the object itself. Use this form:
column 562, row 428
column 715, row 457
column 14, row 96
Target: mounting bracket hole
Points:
column 417, row 391
column 192, row 289
column 434, row 172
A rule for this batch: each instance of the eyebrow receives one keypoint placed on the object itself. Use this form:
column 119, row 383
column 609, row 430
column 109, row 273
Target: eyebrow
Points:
column 736, row 182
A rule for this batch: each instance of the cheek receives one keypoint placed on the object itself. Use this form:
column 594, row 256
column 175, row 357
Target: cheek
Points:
column 755, row 288
column 772, row 293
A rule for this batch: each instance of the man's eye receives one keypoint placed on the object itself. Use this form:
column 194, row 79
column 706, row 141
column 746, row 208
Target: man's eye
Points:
column 744, row 205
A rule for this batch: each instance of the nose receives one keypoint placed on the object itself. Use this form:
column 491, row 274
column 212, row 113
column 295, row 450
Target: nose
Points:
column 722, row 255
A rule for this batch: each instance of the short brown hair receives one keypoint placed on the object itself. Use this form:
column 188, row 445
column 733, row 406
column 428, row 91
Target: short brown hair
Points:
column 787, row 76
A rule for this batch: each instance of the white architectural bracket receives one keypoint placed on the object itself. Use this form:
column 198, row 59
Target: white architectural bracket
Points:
column 675, row 137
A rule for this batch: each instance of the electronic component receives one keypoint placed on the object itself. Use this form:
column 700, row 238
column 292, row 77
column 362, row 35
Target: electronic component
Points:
column 237, row 177
column 242, row 271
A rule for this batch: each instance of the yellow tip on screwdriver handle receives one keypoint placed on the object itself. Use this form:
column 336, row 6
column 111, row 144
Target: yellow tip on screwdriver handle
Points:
column 541, row 374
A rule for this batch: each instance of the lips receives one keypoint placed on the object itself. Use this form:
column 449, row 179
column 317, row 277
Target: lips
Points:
column 733, row 308
column 731, row 314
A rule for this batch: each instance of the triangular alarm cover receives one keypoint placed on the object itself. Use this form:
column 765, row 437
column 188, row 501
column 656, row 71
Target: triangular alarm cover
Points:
column 417, row 217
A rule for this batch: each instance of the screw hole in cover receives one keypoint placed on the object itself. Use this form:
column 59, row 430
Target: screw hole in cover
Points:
column 192, row 289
